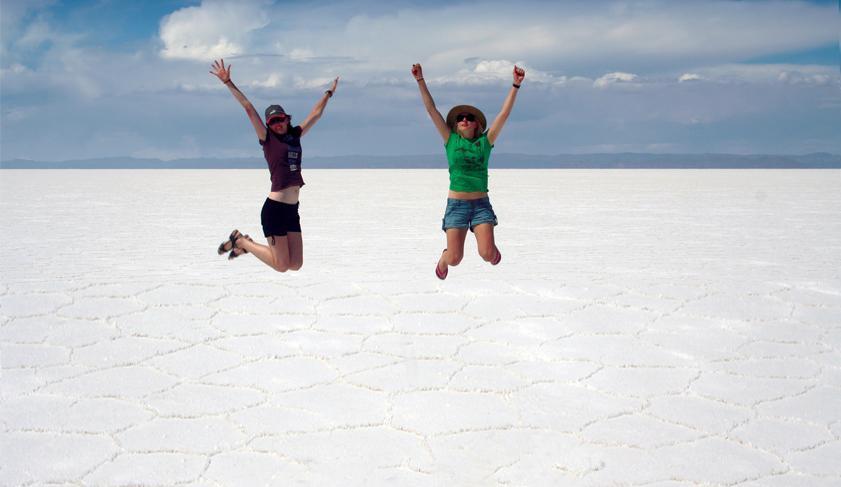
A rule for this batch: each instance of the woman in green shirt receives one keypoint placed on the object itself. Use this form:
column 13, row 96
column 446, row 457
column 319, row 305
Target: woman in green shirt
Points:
column 468, row 149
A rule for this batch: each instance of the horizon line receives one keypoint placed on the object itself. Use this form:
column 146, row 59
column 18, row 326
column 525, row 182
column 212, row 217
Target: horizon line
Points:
column 436, row 155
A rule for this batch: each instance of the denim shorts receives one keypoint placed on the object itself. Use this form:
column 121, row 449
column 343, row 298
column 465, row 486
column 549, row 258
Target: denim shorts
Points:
column 468, row 213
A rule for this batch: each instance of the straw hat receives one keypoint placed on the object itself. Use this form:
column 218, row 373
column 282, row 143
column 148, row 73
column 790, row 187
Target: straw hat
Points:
column 453, row 113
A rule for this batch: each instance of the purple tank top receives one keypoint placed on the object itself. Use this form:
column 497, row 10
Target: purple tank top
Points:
column 283, row 154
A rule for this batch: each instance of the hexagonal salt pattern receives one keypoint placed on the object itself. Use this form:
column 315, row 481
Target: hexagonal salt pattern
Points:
column 645, row 328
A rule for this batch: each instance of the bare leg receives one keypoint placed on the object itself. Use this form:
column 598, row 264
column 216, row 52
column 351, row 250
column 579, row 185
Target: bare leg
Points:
column 484, row 233
column 275, row 255
column 296, row 250
column 455, row 248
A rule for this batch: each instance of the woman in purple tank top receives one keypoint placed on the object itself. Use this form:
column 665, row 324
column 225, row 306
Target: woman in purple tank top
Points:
column 281, row 144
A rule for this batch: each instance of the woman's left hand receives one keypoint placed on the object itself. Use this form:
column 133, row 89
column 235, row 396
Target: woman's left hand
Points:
column 334, row 85
column 519, row 75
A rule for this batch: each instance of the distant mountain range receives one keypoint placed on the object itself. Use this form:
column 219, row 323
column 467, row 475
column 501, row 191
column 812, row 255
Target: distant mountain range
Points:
column 818, row 160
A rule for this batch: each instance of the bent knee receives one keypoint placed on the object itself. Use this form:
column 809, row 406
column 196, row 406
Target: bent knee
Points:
column 487, row 254
column 454, row 259
column 281, row 267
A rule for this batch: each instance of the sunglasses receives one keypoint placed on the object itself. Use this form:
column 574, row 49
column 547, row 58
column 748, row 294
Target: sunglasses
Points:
column 465, row 116
column 277, row 120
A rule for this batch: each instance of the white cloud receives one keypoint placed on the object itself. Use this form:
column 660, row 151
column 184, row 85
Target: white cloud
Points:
column 15, row 68
column 63, row 69
column 799, row 77
column 311, row 83
column 575, row 37
column 273, row 80
column 36, row 34
column 492, row 72
column 689, row 77
column 480, row 72
column 496, row 68
column 291, row 83
column 682, row 64
column 301, row 54
column 771, row 73
column 12, row 21
column 559, row 40
column 613, row 78
column 214, row 29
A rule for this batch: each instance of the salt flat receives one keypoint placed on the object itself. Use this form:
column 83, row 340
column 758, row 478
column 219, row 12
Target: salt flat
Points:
column 657, row 328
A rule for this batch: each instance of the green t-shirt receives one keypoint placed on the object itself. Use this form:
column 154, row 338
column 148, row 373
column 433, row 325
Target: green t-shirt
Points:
column 468, row 160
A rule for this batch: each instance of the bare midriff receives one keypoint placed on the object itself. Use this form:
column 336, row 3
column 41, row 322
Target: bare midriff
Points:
column 286, row 195
column 467, row 195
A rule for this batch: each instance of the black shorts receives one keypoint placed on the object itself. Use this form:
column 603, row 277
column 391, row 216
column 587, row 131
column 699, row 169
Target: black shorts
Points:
column 279, row 218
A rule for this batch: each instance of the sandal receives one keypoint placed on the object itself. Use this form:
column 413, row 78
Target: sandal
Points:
column 498, row 258
column 237, row 251
column 228, row 245
column 439, row 273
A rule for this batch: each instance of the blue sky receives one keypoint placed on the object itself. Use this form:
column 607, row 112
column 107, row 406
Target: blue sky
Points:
column 81, row 79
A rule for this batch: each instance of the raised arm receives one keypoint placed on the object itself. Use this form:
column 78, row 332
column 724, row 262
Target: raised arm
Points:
column 429, row 103
column 224, row 74
column 318, row 109
column 507, row 105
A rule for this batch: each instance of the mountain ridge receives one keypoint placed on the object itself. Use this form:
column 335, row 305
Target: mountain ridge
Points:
column 623, row 160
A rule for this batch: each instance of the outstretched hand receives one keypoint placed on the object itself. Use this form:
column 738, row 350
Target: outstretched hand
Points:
column 519, row 75
column 218, row 69
column 334, row 85
column 417, row 71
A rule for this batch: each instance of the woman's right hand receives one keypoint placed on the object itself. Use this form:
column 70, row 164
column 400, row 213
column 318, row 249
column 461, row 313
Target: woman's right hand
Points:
column 218, row 69
column 519, row 74
column 417, row 72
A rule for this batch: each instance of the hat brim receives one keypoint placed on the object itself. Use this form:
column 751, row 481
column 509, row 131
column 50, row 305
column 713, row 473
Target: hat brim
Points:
column 453, row 113
column 273, row 110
